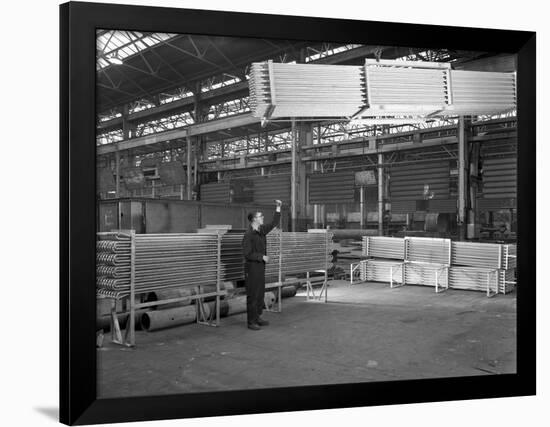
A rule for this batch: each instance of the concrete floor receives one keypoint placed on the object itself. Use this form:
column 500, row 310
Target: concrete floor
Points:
column 366, row 332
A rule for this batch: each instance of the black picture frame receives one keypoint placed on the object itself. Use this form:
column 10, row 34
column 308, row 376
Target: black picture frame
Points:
column 78, row 401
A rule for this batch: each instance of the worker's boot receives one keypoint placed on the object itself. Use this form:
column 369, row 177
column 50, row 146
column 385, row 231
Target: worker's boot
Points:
column 262, row 322
column 254, row 326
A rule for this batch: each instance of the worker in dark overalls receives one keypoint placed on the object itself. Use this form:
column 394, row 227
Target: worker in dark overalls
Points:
column 255, row 258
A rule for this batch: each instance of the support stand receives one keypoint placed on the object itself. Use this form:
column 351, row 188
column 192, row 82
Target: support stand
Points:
column 489, row 274
column 324, row 288
column 394, row 267
column 129, row 339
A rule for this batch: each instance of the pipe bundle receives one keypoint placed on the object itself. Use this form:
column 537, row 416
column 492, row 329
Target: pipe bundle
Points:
column 232, row 256
column 400, row 90
column 431, row 250
column 305, row 90
column 474, row 278
column 161, row 261
column 426, row 274
column 303, row 252
column 379, row 270
column 383, row 247
column 490, row 255
column 500, row 259
column 481, row 92
column 189, row 260
column 379, row 89
column 487, row 267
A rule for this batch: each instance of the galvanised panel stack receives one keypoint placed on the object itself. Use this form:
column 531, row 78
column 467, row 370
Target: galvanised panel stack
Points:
column 428, row 250
column 380, row 270
column 426, row 274
column 474, row 278
column 486, row 267
column 380, row 88
column 499, row 258
column 162, row 261
column 301, row 252
column 232, row 256
column 305, row 90
column 384, row 247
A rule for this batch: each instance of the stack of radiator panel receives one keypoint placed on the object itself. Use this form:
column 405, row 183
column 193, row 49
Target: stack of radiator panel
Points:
column 481, row 92
column 428, row 250
column 490, row 259
column 232, row 256
column 305, row 90
column 426, row 274
column 303, row 252
column 383, row 247
column 486, row 267
column 380, row 270
column 427, row 261
column 162, row 261
column 382, row 89
column 385, row 263
column 474, row 278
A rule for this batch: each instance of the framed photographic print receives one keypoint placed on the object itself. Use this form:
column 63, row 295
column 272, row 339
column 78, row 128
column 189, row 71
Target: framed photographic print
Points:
column 265, row 213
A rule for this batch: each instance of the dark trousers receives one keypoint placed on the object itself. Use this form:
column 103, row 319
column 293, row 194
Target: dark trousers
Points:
column 255, row 290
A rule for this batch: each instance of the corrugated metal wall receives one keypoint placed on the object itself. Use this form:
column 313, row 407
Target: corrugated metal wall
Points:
column 443, row 205
column 495, row 204
column 499, row 178
column 216, row 215
column 170, row 217
column 215, row 192
column 334, row 187
column 403, row 206
column 269, row 188
column 407, row 182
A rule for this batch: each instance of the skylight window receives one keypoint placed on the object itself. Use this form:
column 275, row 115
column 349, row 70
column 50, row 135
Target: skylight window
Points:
column 115, row 46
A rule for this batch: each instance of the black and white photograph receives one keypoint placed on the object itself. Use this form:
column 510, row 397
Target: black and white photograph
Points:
column 275, row 213
column 279, row 213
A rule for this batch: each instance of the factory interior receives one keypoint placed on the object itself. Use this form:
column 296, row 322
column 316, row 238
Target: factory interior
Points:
column 395, row 255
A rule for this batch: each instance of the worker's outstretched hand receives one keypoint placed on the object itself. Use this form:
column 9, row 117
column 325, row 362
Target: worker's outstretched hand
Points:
column 266, row 259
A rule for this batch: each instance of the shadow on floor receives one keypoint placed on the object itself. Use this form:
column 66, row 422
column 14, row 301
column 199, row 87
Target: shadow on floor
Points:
column 51, row 412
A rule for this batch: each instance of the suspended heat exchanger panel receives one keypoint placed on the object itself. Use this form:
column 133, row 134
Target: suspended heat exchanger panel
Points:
column 384, row 90
column 305, row 90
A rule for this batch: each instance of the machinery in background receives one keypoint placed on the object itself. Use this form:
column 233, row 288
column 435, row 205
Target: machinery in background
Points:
column 145, row 215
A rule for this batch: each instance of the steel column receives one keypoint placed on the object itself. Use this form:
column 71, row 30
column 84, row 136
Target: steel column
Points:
column 462, row 177
column 293, row 177
column 195, row 165
column 316, row 220
column 189, row 176
column 305, row 137
column 362, row 207
column 380, row 194
column 117, row 171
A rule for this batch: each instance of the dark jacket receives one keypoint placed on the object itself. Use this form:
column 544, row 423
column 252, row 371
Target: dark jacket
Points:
column 254, row 242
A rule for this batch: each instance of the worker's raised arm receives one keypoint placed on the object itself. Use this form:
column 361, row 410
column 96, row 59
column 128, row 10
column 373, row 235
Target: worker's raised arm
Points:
column 266, row 228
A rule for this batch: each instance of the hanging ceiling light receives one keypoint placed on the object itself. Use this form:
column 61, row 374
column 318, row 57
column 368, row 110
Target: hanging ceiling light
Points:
column 115, row 59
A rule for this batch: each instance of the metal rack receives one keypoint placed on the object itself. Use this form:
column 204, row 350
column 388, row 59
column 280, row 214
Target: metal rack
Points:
column 129, row 287
column 440, row 263
column 129, row 264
